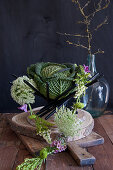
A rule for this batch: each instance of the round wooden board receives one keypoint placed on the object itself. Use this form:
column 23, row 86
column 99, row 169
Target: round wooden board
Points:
column 20, row 123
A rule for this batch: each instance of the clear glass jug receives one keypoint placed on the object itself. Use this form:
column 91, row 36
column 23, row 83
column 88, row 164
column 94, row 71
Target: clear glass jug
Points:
column 97, row 95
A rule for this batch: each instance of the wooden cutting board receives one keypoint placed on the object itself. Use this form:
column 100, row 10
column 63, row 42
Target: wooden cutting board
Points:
column 76, row 148
column 27, row 133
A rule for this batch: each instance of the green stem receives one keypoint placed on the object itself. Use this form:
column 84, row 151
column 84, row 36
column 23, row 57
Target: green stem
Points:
column 30, row 108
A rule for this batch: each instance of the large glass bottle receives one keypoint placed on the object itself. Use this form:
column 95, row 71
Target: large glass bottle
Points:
column 97, row 95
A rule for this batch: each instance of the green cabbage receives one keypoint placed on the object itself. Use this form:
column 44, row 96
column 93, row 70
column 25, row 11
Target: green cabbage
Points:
column 59, row 77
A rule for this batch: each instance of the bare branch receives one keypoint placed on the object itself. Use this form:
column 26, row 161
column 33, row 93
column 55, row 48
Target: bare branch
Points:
column 77, row 45
column 86, row 4
column 73, row 35
column 101, row 24
column 99, row 7
column 79, row 6
column 81, row 22
column 99, row 51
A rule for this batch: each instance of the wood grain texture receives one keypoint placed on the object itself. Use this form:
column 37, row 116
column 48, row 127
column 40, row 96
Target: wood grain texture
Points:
column 21, row 126
column 21, row 155
column 9, row 147
column 91, row 140
column 32, row 145
column 7, row 157
column 61, row 161
column 107, row 123
column 81, row 156
column 103, row 153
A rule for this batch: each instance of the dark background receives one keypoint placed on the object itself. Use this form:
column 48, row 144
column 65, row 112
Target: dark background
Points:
column 28, row 35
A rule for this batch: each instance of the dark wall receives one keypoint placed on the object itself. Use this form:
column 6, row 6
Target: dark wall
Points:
column 28, row 35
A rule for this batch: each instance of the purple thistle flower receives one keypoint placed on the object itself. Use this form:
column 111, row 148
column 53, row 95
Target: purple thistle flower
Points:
column 86, row 68
column 23, row 107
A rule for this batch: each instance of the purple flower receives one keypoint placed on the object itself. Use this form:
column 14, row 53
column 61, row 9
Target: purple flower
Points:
column 86, row 68
column 23, row 107
column 59, row 146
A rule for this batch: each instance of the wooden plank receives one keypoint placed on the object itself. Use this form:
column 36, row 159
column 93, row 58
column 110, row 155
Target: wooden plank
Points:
column 32, row 145
column 103, row 153
column 9, row 138
column 3, row 122
column 7, row 157
column 107, row 123
column 1, row 130
column 21, row 155
column 63, row 161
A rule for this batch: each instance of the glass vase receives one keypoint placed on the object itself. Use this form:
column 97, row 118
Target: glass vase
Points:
column 97, row 95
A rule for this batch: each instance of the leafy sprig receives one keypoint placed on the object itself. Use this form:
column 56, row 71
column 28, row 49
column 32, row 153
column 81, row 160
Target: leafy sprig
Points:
column 42, row 127
column 35, row 163
column 82, row 78
column 30, row 164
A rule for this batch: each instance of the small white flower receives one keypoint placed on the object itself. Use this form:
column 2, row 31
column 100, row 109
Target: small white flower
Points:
column 67, row 122
column 21, row 92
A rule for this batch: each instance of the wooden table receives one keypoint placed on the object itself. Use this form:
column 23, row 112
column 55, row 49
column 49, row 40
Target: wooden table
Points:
column 13, row 152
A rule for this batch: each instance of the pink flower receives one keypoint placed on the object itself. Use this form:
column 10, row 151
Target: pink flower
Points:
column 86, row 68
column 59, row 146
column 23, row 107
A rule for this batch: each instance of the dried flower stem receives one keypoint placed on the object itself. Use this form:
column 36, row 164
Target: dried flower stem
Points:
column 77, row 45
column 74, row 35
column 103, row 23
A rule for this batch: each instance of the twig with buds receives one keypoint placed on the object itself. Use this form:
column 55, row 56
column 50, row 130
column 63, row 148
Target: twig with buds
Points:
column 87, row 18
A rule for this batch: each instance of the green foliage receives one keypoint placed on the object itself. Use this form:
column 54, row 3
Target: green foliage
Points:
column 35, row 163
column 81, row 75
column 42, row 127
column 59, row 77
column 30, row 164
column 78, row 105
column 22, row 93
column 81, row 79
column 43, row 153
column 67, row 122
